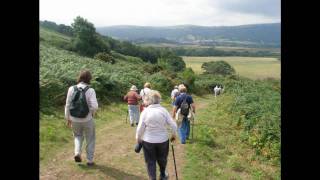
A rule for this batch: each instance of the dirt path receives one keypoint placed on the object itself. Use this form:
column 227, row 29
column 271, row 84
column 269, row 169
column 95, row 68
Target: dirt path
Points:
column 114, row 157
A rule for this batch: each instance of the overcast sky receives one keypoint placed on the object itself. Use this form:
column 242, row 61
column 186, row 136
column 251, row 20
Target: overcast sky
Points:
column 162, row 12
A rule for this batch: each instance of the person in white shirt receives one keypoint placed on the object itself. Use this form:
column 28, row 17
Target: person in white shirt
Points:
column 83, row 126
column 153, row 134
column 146, row 89
column 174, row 94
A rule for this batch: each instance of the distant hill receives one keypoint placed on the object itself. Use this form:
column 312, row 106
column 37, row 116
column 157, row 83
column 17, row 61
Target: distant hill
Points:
column 244, row 35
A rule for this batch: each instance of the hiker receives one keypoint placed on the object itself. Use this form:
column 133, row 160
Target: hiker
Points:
column 217, row 90
column 152, row 133
column 146, row 89
column 81, row 105
column 174, row 94
column 132, row 99
column 183, row 107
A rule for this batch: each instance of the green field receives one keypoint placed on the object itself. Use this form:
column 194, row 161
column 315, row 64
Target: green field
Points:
column 249, row 49
column 251, row 67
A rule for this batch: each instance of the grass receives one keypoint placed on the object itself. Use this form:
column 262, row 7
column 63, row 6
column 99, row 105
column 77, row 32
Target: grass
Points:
column 217, row 151
column 250, row 67
column 249, row 49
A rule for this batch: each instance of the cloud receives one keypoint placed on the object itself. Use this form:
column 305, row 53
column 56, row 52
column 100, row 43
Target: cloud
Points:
column 162, row 12
column 267, row 8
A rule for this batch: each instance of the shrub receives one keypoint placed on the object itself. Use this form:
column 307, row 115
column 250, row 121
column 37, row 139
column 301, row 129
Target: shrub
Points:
column 218, row 67
column 160, row 83
column 105, row 57
column 173, row 63
column 188, row 78
column 152, row 68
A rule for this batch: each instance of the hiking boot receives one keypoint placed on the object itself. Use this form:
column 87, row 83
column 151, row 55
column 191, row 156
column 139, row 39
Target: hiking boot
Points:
column 77, row 158
column 164, row 177
column 90, row 164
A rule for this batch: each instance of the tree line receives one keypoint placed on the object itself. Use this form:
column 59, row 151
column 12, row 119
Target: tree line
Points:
column 215, row 52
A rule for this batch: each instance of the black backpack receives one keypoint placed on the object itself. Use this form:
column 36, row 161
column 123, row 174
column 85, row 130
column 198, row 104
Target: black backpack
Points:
column 79, row 107
column 184, row 107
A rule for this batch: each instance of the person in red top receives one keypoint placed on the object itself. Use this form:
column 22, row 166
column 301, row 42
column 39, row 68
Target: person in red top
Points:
column 132, row 99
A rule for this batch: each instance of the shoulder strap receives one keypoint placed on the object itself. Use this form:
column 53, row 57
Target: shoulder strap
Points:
column 75, row 87
column 86, row 88
column 185, row 97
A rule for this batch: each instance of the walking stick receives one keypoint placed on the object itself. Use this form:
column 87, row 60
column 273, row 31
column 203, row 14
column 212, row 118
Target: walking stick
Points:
column 192, row 128
column 174, row 160
column 127, row 117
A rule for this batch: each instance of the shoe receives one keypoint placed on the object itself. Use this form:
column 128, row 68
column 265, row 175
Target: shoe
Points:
column 165, row 177
column 77, row 158
column 132, row 125
column 136, row 124
column 90, row 164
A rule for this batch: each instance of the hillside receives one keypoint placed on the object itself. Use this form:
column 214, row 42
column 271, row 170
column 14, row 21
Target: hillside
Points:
column 244, row 35
column 59, row 68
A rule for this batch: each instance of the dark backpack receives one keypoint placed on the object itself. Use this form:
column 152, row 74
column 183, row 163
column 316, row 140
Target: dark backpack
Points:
column 79, row 107
column 184, row 107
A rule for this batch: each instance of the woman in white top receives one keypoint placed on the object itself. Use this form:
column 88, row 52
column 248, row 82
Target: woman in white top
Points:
column 152, row 133
column 146, row 89
column 83, row 127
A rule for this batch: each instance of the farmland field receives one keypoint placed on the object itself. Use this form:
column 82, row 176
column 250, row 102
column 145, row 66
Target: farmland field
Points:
column 251, row 67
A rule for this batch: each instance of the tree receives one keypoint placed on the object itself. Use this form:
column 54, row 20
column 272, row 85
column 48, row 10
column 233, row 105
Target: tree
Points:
column 86, row 41
column 49, row 25
column 172, row 63
column 218, row 67
column 67, row 30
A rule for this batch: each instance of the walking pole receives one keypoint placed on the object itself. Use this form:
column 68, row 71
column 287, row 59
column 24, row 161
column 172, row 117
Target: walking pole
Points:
column 127, row 117
column 193, row 118
column 174, row 160
column 192, row 128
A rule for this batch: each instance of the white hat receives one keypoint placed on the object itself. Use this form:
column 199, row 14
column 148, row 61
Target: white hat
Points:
column 133, row 88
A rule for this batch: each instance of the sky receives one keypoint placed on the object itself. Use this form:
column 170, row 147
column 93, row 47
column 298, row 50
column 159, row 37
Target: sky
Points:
column 162, row 12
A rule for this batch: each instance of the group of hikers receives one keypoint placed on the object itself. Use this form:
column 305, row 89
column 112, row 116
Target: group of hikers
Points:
column 145, row 112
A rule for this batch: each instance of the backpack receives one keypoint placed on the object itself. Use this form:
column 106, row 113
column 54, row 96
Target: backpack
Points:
column 184, row 107
column 79, row 107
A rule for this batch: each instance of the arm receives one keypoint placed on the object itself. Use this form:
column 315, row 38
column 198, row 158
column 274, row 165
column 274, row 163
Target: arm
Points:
column 125, row 98
column 92, row 102
column 174, row 111
column 138, row 96
column 141, row 127
column 175, row 108
column 67, row 106
column 193, row 108
column 192, row 105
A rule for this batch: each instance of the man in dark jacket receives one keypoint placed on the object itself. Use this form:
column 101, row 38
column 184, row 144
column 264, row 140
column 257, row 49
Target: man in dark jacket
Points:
column 184, row 127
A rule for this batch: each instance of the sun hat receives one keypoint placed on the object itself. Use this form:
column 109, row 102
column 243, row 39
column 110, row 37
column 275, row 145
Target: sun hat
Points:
column 133, row 88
